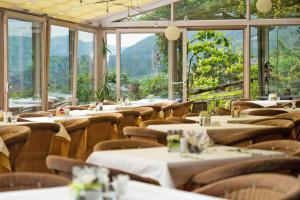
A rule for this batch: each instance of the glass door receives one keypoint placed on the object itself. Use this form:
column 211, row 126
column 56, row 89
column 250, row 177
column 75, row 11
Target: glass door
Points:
column 24, row 66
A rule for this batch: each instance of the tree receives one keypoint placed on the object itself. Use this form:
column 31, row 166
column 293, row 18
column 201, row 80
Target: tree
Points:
column 213, row 62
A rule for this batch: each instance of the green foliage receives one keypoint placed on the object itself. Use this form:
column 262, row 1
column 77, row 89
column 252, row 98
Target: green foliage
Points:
column 103, row 91
column 155, row 85
column 213, row 63
column 210, row 9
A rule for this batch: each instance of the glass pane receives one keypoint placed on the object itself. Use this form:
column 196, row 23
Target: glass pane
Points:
column 275, row 62
column 210, row 9
column 178, row 85
column 61, row 70
column 158, row 14
column 280, row 9
column 215, row 66
column 86, row 67
column 111, row 65
column 24, row 65
column 144, row 65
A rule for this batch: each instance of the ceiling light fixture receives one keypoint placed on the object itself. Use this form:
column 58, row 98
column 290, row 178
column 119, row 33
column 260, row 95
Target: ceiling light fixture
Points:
column 172, row 32
column 264, row 6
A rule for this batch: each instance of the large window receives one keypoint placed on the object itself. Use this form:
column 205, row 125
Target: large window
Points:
column 275, row 61
column 24, row 65
column 86, row 67
column 111, row 64
column 215, row 66
column 280, row 9
column 61, row 66
column 144, row 65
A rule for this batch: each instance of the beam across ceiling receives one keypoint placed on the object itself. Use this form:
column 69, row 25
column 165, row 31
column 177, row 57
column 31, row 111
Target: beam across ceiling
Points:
column 131, row 11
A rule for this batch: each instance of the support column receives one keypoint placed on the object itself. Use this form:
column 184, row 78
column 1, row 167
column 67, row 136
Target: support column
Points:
column 118, row 65
column 171, row 68
column 247, row 41
column 3, row 62
column 73, row 63
column 46, row 35
column 184, row 66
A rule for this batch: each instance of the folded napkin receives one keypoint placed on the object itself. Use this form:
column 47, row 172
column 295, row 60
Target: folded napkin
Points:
column 4, row 158
column 61, row 142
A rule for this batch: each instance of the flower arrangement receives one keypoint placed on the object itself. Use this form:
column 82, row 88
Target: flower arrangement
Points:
column 93, row 183
column 63, row 111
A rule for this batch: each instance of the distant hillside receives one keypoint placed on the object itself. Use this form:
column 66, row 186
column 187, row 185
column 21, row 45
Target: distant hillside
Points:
column 137, row 60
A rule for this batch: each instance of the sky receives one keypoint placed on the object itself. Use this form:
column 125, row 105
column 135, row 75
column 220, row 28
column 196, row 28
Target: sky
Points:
column 127, row 39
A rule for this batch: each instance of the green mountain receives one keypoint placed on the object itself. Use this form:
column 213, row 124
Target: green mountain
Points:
column 137, row 60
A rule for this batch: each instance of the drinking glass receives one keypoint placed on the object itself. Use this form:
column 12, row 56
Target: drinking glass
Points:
column 7, row 117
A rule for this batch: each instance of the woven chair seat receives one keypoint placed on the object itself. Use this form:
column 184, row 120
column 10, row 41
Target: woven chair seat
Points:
column 146, row 134
column 255, row 187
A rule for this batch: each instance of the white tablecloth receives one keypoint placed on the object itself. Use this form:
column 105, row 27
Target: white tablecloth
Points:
column 135, row 191
column 202, row 130
column 228, row 119
column 171, row 169
column 267, row 103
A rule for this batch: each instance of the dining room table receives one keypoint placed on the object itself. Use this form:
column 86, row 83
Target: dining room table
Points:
column 173, row 169
column 268, row 103
column 195, row 128
column 134, row 191
column 229, row 119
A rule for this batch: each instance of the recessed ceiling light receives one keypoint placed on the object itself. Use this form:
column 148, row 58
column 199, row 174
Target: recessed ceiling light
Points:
column 60, row 13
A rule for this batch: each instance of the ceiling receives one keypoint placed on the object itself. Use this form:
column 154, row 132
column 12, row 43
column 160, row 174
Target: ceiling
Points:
column 73, row 10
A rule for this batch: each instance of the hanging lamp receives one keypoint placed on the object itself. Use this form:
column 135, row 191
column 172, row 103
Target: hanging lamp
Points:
column 264, row 6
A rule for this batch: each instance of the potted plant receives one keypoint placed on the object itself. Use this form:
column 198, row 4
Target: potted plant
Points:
column 103, row 91
column 104, row 49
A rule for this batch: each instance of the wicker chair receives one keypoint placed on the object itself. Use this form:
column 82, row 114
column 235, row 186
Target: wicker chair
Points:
column 130, row 118
column 146, row 113
column 181, row 120
column 244, row 138
column 287, row 126
column 146, row 134
column 38, row 146
column 290, row 147
column 255, row 186
column 25, row 181
column 220, row 111
column 63, row 167
column 14, row 138
column 20, row 117
column 166, row 108
column 101, row 128
column 125, row 144
column 76, row 129
column 265, row 112
column 295, row 117
column 197, row 107
column 285, row 165
column 147, row 123
column 181, row 109
column 156, row 111
column 246, row 104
